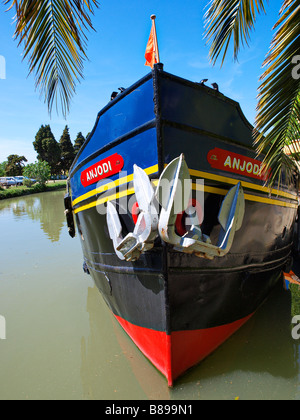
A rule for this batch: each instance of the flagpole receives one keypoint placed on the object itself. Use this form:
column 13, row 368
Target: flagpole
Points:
column 153, row 17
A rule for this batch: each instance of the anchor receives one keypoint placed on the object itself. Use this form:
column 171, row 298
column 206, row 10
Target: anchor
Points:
column 173, row 193
column 145, row 231
column 177, row 197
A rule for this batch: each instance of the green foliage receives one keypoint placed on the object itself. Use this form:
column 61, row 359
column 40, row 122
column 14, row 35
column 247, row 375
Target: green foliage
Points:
column 40, row 171
column 36, row 188
column 78, row 142
column 47, row 148
column 43, row 133
column 278, row 109
column 27, row 182
column 2, row 168
column 15, row 165
column 53, row 35
column 279, row 95
column 67, row 150
column 230, row 19
column 58, row 155
column 295, row 306
column 20, row 191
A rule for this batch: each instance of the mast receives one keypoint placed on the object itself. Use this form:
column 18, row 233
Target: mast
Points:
column 153, row 17
column 152, row 53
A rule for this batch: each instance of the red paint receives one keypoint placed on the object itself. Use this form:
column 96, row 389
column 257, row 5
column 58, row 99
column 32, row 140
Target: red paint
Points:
column 102, row 169
column 180, row 219
column 190, row 347
column 235, row 163
column 155, row 345
column 173, row 354
column 135, row 212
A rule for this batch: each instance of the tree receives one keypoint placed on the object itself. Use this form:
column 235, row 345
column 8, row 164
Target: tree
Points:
column 15, row 165
column 278, row 109
column 52, row 154
column 67, row 150
column 47, row 148
column 43, row 133
column 78, row 142
column 2, row 168
column 39, row 170
column 53, row 35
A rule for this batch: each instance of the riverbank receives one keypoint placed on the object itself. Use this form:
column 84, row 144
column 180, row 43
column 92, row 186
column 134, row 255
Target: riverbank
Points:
column 37, row 188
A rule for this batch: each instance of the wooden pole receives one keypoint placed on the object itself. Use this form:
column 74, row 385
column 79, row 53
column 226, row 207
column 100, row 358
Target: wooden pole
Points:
column 153, row 17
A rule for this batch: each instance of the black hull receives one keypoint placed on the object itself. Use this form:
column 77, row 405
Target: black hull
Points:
column 169, row 298
column 199, row 296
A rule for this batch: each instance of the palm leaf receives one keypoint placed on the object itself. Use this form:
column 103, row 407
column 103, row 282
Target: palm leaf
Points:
column 278, row 110
column 277, row 122
column 53, row 35
column 230, row 20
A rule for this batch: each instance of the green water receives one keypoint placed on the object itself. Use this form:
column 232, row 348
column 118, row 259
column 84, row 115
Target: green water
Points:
column 63, row 343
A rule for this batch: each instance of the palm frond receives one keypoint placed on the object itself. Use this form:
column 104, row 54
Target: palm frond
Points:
column 278, row 111
column 53, row 35
column 230, row 20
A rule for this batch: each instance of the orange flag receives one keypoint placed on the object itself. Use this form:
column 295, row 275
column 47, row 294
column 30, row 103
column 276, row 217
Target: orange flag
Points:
column 150, row 53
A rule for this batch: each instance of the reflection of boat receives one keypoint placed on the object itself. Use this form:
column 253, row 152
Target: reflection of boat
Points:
column 110, row 362
column 181, row 276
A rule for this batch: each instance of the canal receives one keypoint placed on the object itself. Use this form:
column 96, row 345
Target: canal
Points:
column 58, row 340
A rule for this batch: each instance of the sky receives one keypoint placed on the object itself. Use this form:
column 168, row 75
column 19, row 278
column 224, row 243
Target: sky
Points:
column 116, row 58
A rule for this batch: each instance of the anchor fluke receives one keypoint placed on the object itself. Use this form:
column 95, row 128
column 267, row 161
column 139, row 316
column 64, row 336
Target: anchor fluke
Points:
column 145, row 231
column 174, row 194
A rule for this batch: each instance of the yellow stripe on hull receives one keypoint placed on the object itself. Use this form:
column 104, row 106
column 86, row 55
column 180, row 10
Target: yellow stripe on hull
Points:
column 205, row 188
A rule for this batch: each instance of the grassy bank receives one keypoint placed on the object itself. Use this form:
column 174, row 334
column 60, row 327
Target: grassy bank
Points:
column 37, row 188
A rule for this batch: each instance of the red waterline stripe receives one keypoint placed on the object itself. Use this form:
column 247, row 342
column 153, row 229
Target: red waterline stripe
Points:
column 155, row 345
column 173, row 354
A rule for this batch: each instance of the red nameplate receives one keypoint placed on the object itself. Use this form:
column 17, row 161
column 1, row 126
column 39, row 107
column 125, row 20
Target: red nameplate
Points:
column 235, row 163
column 103, row 169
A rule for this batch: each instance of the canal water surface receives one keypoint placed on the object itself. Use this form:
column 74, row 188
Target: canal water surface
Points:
column 61, row 341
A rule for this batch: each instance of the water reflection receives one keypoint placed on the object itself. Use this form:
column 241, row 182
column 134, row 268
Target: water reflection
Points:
column 261, row 361
column 112, row 366
column 46, row 208
column 64, row 343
